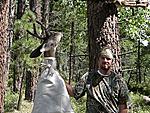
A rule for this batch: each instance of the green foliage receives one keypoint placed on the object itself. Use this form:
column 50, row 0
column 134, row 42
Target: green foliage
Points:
column 135, row 25
column 133, row 21
column 22, row 48
column 68, row 12
column 10, row 101
column 138, row 104
column 79, row 106
column 25, row 23
column 142, row 88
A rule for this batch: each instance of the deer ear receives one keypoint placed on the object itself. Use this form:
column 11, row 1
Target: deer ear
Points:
column 35, row 53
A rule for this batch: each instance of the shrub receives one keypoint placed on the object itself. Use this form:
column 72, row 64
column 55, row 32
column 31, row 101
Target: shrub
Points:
column 10, row 101
column 79, row 106
column 138, row 104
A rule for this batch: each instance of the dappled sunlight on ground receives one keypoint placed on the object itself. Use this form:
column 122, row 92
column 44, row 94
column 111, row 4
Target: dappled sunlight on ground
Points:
column 26, row 107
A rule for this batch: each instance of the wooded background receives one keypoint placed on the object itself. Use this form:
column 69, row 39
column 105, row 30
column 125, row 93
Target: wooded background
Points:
column 87, row 26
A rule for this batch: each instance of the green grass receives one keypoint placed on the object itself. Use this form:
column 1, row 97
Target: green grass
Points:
column 26, row 107
column 138, row 105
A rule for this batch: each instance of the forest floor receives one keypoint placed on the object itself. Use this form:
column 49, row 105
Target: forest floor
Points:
column 26, row 107
column 139, row 106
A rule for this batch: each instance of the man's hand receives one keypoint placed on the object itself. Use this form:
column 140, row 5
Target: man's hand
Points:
column 123, row 108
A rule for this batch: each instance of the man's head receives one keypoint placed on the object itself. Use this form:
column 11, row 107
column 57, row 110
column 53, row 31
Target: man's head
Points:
column 105, row 59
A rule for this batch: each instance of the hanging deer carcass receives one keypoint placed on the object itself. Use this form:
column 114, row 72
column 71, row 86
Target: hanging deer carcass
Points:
column 51, row 94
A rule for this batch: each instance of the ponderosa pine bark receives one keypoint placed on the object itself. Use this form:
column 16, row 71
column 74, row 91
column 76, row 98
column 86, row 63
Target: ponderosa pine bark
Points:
column 4, row 9
column 103, row 30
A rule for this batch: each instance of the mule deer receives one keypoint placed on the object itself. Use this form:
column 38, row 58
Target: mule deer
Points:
column 51, row 94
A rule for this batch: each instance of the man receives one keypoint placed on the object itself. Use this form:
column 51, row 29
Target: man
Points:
column 106, row 91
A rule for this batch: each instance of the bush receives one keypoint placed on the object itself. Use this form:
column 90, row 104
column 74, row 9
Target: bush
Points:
column 142, row 88
column 79, row 106
column 10, row 101
column 138, row 104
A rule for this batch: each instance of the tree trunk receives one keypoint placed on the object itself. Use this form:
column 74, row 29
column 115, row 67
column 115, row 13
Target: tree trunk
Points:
column 21, row 84
column 10, row 30
column 35, row 6
column 102, row 31
column 45, row 11
column 4, row 8
column 71, row 54
column 14, row 78
column 138, row 75
column 28, row 89
column 20, row 8
column 32, row 5
column 35, row 76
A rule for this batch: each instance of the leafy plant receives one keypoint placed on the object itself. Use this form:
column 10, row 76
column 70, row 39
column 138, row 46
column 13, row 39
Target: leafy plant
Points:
column 79, row 106
column 10, row 101
column 138, row 104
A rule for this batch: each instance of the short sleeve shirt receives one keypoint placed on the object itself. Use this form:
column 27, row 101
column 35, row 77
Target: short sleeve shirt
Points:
column 104, row 94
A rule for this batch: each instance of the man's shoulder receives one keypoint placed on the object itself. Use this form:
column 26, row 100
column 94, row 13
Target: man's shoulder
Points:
column 116, row 76
column 88, row 73
column 119, row 79
column 88, row 76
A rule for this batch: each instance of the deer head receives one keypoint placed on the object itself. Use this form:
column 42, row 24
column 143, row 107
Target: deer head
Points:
column 49, row 42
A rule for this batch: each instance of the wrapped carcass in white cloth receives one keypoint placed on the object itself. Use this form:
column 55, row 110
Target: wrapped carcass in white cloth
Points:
column 51, row 94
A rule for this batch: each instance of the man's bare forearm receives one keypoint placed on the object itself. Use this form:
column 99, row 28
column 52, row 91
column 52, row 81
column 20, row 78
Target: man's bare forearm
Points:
column 123, row 108
column 70, row 89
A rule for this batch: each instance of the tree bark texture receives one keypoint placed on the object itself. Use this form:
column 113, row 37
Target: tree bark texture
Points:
column 20, row 8
column 102, row 31
column 35, row 76
column 32, row 5
column 35, row 6
column 71, row 53
column 22, row 70
column 10, row 29
column 46, row 11
column 14, row 78
column 4, row 8
column 28, row 88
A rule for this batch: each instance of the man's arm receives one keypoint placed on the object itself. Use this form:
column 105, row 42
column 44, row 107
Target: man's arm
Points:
column 79, row 89
column 69, row 89
column 123, row 97
column 123, row 108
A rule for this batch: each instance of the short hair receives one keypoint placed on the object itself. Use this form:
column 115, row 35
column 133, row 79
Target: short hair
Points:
column 106, row 52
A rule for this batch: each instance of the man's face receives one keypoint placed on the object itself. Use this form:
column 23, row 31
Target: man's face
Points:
column 105, row 63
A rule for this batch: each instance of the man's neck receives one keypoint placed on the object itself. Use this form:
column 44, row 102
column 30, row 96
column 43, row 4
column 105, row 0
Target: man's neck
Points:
column 105, row 72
